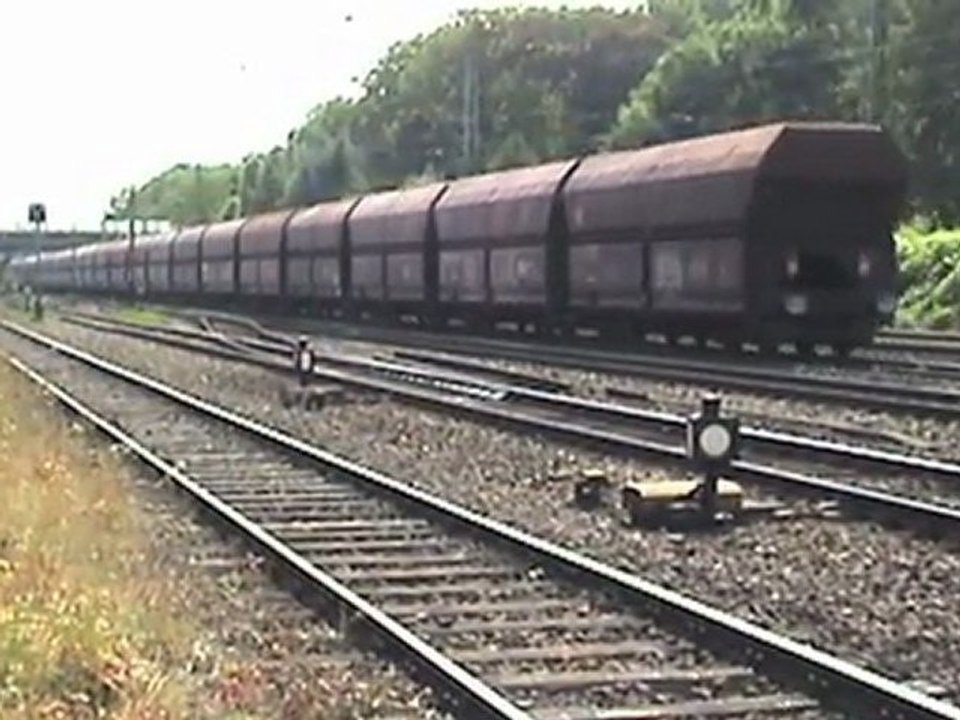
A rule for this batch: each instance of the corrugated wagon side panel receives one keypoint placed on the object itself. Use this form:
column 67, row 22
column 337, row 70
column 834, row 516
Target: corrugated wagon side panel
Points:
column 326, row 277
column 607, row 275
column 366, row 276
column 185, row 263
column 704, row 275
column 493, row 232
column 218, row 257
column 158, row 267
column 316, row 238
column 519, row 275
column 405, row 279
column 389, row 234
column 260, row 243
column 462, row 276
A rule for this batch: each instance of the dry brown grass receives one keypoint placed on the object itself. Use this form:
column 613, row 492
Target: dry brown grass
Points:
column 86, row 629
column 102, row 617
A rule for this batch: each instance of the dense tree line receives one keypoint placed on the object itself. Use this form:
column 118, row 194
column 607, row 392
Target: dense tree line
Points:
column 496, row 89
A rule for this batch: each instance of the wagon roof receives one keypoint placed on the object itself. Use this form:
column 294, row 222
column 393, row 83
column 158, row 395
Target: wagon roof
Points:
column 190, row 234
column 394, row 216
column 264, row 233
column 114, row 247
column 187, row 241
column 501, row 205
column 712, row 178
column 318, row 226
column 158, row 239
column 219, row 237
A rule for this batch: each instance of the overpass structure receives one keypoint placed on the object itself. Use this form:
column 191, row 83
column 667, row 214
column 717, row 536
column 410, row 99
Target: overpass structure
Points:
column 19, row 242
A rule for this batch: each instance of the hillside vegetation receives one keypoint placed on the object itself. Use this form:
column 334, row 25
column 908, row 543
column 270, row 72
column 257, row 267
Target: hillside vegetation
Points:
column 500, row 88
column 930, row 278
column 554, row 83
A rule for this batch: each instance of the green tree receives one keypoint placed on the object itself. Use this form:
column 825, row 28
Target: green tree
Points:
column 514, row 151
column 184, row 194
column 925, row 86
column 555, row 78
column 750, row 68
column 267, row 189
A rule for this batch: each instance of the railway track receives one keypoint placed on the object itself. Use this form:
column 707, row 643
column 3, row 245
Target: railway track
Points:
column 944, row 344
column 507, row 624
column 927, row 399
column 776, row 463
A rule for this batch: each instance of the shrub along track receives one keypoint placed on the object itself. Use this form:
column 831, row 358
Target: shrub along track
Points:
column 308, row 510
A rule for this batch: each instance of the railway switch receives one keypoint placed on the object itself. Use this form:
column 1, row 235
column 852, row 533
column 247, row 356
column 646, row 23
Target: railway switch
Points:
column 713, row 442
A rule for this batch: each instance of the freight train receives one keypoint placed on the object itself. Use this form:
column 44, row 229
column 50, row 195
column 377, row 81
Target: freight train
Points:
column 772, row 234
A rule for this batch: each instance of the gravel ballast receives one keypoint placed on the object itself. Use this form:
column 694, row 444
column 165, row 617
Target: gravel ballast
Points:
column 257, row 651
column 881, row 598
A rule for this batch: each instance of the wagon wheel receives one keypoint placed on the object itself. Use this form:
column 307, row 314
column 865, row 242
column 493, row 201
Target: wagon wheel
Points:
column 767, row 348
column 804, row 349
column 842, row 350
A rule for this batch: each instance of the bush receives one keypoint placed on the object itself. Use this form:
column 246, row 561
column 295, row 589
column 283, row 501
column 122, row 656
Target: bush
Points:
column 929, row 277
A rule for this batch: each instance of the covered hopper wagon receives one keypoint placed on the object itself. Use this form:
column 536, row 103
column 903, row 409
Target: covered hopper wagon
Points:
column 779, row 233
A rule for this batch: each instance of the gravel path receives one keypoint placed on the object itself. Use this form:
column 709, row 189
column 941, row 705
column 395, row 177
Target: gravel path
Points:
column 881, row 598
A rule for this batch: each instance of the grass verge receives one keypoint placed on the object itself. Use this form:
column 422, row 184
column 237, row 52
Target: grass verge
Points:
column 101, row 617
column 86, row 628
column 142, row 315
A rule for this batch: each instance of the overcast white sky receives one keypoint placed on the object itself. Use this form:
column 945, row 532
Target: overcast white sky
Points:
column 99, row 94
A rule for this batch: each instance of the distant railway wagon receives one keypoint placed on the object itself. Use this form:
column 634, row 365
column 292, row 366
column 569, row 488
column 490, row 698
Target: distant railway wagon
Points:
column 775, row 233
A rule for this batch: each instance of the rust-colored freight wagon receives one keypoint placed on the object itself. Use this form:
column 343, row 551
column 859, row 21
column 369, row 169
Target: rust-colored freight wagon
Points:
column 259, row 250
column 316, row 254
column 138, row 264
column 391, row 238
column 55, row 270
column 44, row 270
column 150, row 263
column 83, row 267
column 775, row 233
column 100, row 268
column 117, row 254
column 218, row 258
column 501, row 244
column 185, row 261
column 752, row 234
column 156, row 262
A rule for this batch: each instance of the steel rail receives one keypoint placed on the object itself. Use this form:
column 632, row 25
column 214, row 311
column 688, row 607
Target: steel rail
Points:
column 715, row 373
column 836, row 682
column 920, row 341
column 773, row 438
column 453, row 677
column 925, row 516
